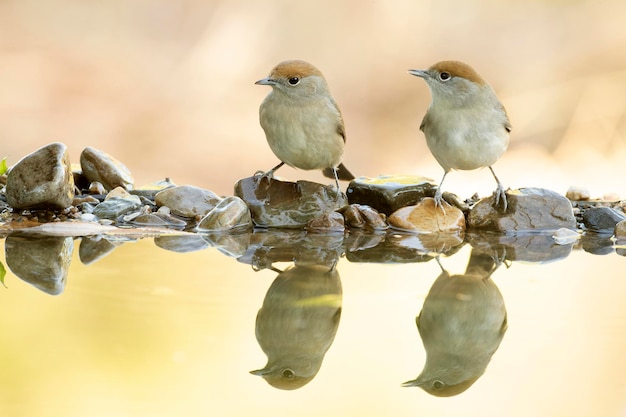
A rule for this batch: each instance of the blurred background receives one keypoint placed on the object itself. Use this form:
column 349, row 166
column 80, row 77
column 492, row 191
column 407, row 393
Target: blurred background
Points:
column 168, row 87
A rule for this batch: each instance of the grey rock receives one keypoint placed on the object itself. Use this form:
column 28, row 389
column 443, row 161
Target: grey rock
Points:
column 42, row 261
column 103, row 168
column 41, row 180
column 230, row 213
column 602, row 219
column 388, row 193
column 149, row 191
column 187, row 200
column 278, row 203
column 117, row 203
column 529, row 209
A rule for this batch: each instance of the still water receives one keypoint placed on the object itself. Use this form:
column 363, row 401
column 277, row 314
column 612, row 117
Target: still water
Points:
column 270, row 324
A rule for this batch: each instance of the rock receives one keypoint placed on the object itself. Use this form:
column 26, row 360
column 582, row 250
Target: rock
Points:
column 358, row 216
column 117, row 203
column 620, row 230
column 529, row 209
column 613, row 197
column 278, row 203
column 326, row 223
column 234, row 245
column 602, row 219
column 575, row 193
column 388, row 193
column 103, row 168
column 151, row 190
column 96, row 188
column 41, row 180
column 425, row 217
column 230, row 213
column 42, row 261
column 187, row 200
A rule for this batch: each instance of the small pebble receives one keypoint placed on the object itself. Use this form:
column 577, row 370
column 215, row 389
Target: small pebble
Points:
column 564, row 236
column 576, row 193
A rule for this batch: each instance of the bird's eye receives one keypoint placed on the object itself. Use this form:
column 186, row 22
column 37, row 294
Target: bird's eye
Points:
column 438, row 384
column 293, row 80
column 445, row 76
column 288, row 373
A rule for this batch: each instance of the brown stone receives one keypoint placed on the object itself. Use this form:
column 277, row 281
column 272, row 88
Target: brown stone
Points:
column 425, row 217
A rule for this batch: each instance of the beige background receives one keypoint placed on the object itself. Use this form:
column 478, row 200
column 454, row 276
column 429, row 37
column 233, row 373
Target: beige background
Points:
column 168, row 87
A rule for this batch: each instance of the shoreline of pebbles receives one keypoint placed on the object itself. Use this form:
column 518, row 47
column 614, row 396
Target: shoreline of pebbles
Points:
column 45, row 187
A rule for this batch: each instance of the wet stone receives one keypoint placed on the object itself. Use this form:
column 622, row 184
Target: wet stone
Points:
column 278, row 203
column 96, row 188
column 187, row 200
column 359, row 216
column 42, row 179
column 529, row 209
column 425, row 217
column 117, row 203
column 388, row 193
column 230, row 213
column 42, row 261
column 620, row 230
column 150, row 191
column 602, row 219
column 103, row 168
column 326, row 223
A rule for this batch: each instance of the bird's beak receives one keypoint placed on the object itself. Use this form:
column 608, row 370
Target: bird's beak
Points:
column 264, row 371
column 266, row 81
column 419, row 73
column 413, row 383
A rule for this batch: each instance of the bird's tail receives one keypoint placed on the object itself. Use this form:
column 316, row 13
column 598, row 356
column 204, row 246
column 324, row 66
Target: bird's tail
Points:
column 342, row 173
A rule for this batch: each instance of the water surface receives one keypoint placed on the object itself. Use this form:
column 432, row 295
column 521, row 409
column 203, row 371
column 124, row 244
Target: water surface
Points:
column 146, row 331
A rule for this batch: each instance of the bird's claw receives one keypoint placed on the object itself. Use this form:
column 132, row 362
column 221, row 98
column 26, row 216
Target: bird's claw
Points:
column 499, row 198
column 439, row 201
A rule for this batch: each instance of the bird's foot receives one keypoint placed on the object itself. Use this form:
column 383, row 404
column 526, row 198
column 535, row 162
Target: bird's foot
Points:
column 261, row 175
column 439, row 201
column 499, row 199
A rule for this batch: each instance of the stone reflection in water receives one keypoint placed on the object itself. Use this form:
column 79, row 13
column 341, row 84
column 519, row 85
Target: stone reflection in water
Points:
column 42, row 261
column 297, row 324
column 462, row 323
column 94, row 248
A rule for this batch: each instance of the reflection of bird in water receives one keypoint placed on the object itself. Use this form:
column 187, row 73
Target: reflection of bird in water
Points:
column 297, row 324
column 461, row 324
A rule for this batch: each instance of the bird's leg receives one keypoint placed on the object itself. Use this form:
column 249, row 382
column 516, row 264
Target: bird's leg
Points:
column 499, row 194
column 439, row 194
column 259, row 175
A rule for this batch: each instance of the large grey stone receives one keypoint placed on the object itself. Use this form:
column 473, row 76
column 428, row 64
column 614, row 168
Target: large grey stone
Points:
column 42, row 180
column 529, row 209
column 187, row 200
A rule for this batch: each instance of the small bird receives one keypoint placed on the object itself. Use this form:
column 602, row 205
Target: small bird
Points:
column 466, row 126
column 302, row 122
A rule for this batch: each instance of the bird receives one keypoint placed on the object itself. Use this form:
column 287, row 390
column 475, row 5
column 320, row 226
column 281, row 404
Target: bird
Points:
column 466, row 126
column 462, row 323
column 302, row 122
